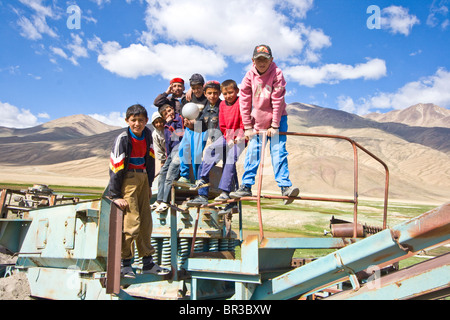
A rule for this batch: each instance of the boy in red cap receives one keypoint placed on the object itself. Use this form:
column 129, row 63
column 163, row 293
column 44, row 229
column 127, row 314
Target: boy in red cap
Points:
column 176, row 93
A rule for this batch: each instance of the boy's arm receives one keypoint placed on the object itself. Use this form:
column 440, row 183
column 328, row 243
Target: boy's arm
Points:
column 245, row 101
column 117, row 168
column 150, row 162
column 278, row 102
column 161, row 100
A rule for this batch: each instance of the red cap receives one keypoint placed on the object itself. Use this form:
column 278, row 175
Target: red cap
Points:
column 177, row 80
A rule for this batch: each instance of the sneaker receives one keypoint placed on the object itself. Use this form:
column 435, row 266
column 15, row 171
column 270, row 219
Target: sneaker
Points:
column 199, row 184
column 289, row 192
column 162, row 208
column 243, row 191
column 127, row 272
column 153, row 268
column 229, row 208
column 155, row 205
column 184, row 180
column 224, row 196
column 197, row 202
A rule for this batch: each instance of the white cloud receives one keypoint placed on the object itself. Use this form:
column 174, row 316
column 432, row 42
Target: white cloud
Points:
column 439, row 12
column 398, row 20
column 13, row 117
column 242, row 26
column 333, row 73
column 114, row 118
column 34, row 27
column 162, row 59
column 432, row 89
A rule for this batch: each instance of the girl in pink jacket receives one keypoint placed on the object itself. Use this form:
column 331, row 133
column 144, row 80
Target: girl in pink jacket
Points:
column 263, row 108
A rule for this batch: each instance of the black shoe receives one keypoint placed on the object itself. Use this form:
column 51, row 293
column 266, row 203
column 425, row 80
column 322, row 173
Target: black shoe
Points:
column 289, row 192
column 243, row 191
column 197, row 202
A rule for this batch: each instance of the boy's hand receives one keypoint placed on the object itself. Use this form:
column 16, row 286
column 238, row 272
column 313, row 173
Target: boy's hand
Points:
column 169, row 90
column 189, row 95
column 189, row 123
column 248, row 133
column 121, row 203
column 272, row 132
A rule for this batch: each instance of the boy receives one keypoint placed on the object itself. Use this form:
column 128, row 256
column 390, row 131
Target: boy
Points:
column 193, row 143
column 176, row 93
column 263, row 108
column 173, row 132
column 210, row 114
column 227, row 147
column 159, row 142
column 132, row 170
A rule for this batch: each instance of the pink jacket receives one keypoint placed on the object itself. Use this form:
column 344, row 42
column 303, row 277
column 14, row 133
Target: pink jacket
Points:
column 262, row 98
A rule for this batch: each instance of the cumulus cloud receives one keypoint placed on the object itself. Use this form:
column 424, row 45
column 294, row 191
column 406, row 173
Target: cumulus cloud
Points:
column 162, row 59
column 241, row 26
column 13, row 117
column 432, row 89
column 113, row 118
column 333, row 73
column 398, row 20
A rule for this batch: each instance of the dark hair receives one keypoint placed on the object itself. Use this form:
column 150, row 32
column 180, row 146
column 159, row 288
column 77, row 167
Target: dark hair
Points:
column 136, row 110
column 164, row 107
column 228, row 83
column 212, row 84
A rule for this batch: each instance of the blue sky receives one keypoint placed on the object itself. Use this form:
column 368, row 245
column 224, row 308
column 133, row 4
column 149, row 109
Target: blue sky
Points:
column 354, row 55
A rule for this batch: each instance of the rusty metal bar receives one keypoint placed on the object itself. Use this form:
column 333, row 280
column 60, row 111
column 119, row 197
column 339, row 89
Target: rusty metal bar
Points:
column 3, row 210
column 424, row 231
column 420, row 280
column 261, row 169
column 194, row 237
column 355, row 147
column 114, row 250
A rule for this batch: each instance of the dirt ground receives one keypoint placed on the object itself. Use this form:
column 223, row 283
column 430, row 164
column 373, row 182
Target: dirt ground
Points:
column 14, row 287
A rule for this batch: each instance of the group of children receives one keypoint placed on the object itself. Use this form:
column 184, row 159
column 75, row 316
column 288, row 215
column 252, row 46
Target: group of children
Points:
column 180, row 144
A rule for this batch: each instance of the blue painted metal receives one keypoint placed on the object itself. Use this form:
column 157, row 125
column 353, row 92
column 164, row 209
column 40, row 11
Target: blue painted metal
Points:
column 416, row 234
column 12, row 233
column 425, row 278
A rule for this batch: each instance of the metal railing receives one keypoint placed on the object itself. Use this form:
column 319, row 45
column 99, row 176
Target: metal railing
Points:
column 354, row 201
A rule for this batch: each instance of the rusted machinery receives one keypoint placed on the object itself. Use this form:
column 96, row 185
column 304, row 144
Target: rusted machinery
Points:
column 72, row 251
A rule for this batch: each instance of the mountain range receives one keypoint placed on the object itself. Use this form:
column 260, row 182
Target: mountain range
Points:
column 414, row 143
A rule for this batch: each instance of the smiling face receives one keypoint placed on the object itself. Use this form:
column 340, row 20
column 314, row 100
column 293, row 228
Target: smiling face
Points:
column 177, row 89
column 159, row 124
column 137, row 124
column 212, row 95
column 230, row 94
column 262, row 64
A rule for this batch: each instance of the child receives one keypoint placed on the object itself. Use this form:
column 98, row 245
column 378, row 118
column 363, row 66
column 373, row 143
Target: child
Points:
column 228, row 147
column 193, row 143
column 132, row 170
column 262, row 98
column 173, row 131
column 210, row 115
column 176, row 93
column 206, row 126
column 159, row 142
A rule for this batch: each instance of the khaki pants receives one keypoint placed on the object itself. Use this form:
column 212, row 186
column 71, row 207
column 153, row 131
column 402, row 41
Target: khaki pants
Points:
column 137, row 220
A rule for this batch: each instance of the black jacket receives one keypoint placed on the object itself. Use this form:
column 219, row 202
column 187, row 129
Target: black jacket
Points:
column 120, row 158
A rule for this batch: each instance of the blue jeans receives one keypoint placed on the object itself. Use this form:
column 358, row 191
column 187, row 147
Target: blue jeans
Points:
column 219, row 150
column 168, row 174
column 278, row 154
column 191, row 152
